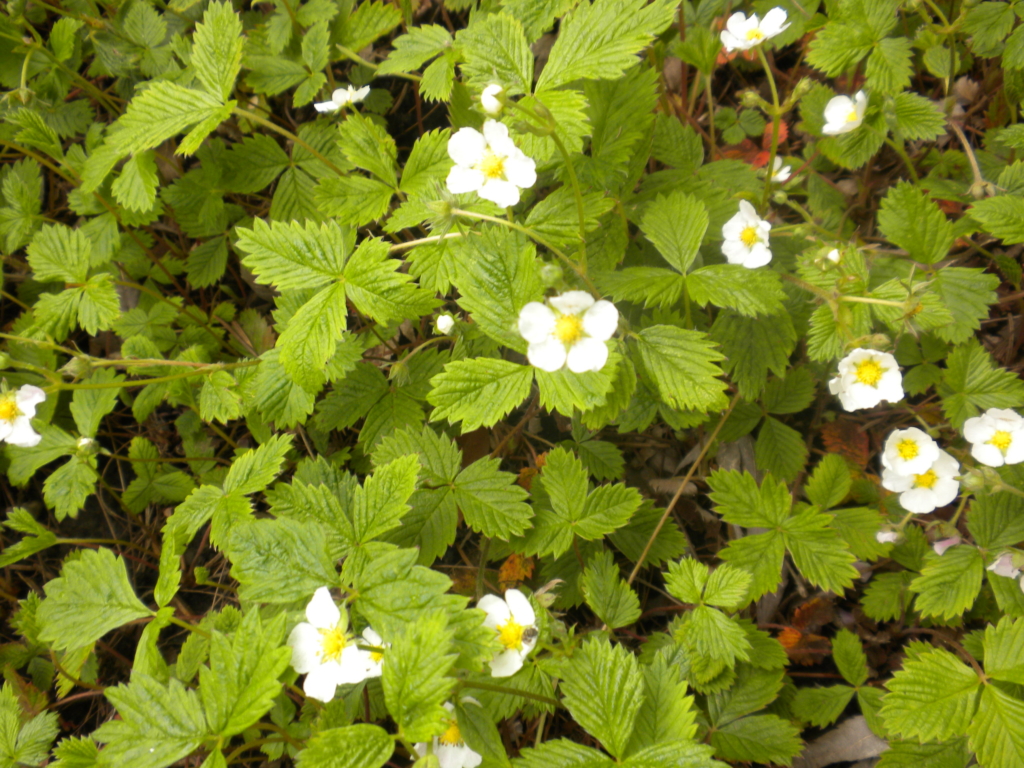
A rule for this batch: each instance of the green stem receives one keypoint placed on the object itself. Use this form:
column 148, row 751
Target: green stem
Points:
column 481, row 686
column 899, row 150
column 580, row 213
column 157, row 380
column 423, row 241
column 288, row 135
column 819, row 292
column 959, row 511
column 711, row 117
column 869, row 300
column 190, row 627
column 353, row 56
column 776, row 121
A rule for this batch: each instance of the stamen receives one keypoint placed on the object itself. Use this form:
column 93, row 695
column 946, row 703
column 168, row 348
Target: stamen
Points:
column 491, row 165
column 569, row 329
column 9, row 410
column 1001, row 440
column 510, row 635
column 749, row 237
column 907, row 449
column 927, row 480
column 869, row 372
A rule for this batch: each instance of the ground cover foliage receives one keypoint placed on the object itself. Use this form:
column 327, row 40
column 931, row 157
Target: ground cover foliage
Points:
column 510, row 382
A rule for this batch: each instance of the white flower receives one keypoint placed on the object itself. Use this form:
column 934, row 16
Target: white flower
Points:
column 834, row 256
column 326, row 652
column 940, row 547
column 996, row 437
column 342, row 97
column 921, row 493
column 450, row 749
column 489, row 164
column 572, row 330
column 780, row 174
column 516, row 624
column 909, row 451
column 16, row 411
column 490, row 99
column 741, row 33
column 866, row 378
column 1003, row 566
column 375, row 663
column 445, row 323
column 887, row 537
column 843, row 114
column 746, row 238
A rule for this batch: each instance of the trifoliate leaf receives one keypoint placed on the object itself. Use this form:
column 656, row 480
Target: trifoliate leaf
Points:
column 419, row 45
column 740, row 501
column 23, row 740
column 972, row 383
column 91, row 597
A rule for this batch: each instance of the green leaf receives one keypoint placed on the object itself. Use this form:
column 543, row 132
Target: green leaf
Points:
column 916, row 117
column 821, row 706
column 1002, row 217
column 753, row 347
column 428, row 164
column 676, row 225
column 91, row 597
column 368, row 146
column 291, row 256
column 556, row 217
column 66, row 490
column 749, row 292
column 312, row 335
column 933, row 697
column 997, row 733
column 915, row 223
column 972, row 383
column 711, row 636
column 377, row 289
column 830, row 482
column 908, row 754
column 604, row 693
column 354, row 746
column 415, row 679
column 849, row 657
column 421, row 43
column 496, row 277
column 59, row 253
column 89, row 406
column 217, row 49
column 967, row 294
column 495, row 49
column 607, row 594
column 762, row 738
column 780, row 449
column 996, row 520
column 369, row 21
column 37, row 537
column 600, row 40
column 159, row 724
column 681, row 364
column 562, row 753
column 740, row 501
column 889, row 69
column 136, row 185
column 278, row 561
column 316, row 47
column 491, row 501
column 23, row 740
column 821, row 556
column 240, row 684
column 254, row 470
column 478, row 392
column 667, row 714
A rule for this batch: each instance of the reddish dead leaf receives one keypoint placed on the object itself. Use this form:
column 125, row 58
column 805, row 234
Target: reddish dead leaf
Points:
column 463, row 581
column 804, row 648
column 846, row 438
column 766, row 140
column 526, row 475
column 950, row 207
column 514, row 570
column 813, row 614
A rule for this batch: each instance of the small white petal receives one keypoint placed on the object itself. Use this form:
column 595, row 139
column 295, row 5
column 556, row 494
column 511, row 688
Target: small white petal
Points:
column 988, row 455
column 497, row 611
column 520, row 170
column 520, row 607
column 445, row 323
column 572, row 302
column 506, row 663
column 548, row 355
column 361, row 94
column 22, row 435
column 500, row 192
column 497, row 137
column 774, row 22
column 320, row 685
column 321, row 611
column 490, row 99
column 536, row 321
column 587, row 355
column 305, row 641
column 462, row 179
column 325, row 106
column 601, row 320
column 759, row 255
column 887, row 537
column 28, row 397
column 467, row 146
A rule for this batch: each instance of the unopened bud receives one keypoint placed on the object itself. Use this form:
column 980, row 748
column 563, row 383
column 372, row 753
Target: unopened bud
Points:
column 491, row 100
column 981, row 189
column 445, row 323
column 551, row 275
column 76, row 368
column 779, row 197
column 86, row 446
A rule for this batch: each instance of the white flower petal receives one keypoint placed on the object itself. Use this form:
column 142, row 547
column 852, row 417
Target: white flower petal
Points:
column 22, row 435
column 601, row 320
column 320, row 684
column 498, row 139
column 988, row 455
column 735, row 252
column 587, row 355
column 895, row 482
column 572, row 302
column 6, row 427
column 729, row 41
column 536, row 322
column 325, row 106
column 520, row 606
column 490, row 99
column 759, row 255
column 467, row 146
column 506, row 663
column 774, row 22
column 361, row 94
column 548, row 355
column 305, row 641
column 497, row 611
column 321, row 611
column 355, row 665
column 500, row 192
column 749, row 213
column 28, row 397
column 920, row 501
column 520, row 170
column 462, row 179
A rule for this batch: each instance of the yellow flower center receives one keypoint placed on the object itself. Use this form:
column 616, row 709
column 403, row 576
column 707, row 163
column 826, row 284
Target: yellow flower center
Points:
column 1001, row 440
column 377, row 656
column 927, row 480
column 869, row 372
column 8, row 409
column 569, row 329
column 907, row 449
column 491, row 165
column 453, row 736
column 334, row 643
column 755, row 34
column 749, row 236
column 511, row 635
column 852, row 117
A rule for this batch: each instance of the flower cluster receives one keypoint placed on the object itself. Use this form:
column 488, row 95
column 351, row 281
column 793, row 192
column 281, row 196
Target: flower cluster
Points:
column 328, row 653
column 996, row 437
column 16, row 411
column 570, row 329
column 925, row 476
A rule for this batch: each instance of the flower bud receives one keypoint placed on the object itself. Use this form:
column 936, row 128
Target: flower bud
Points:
column 779, row 197
column 445, row 323
column 492, row 99
column 76, row 368
column 86, row 447
column 551, row 275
